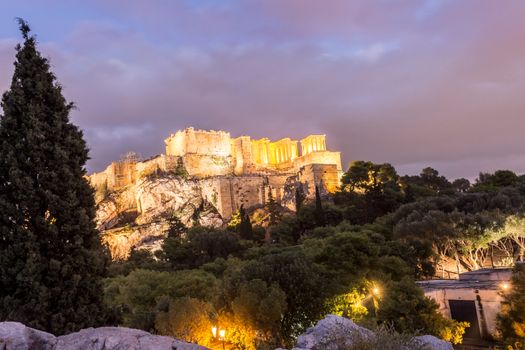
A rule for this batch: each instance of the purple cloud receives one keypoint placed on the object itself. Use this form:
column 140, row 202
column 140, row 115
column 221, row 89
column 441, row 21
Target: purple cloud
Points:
column 414, row 83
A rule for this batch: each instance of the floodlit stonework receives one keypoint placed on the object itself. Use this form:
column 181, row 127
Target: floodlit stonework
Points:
column 233, row 171
column 211, row 153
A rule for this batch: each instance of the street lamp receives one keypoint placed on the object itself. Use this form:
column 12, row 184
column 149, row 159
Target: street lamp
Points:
column 221, row 334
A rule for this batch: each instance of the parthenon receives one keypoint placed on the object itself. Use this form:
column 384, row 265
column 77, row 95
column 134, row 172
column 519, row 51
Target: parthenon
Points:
column 248, row 156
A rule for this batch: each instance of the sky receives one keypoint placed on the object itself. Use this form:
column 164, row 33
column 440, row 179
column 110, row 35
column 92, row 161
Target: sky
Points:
column 414, row 83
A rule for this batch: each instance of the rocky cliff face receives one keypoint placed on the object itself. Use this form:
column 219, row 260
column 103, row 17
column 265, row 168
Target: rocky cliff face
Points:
column 136, row 216
column 16, row 336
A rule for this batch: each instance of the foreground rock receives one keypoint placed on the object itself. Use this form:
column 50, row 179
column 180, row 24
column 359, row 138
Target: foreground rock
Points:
column 337, row 333
column 16, row 336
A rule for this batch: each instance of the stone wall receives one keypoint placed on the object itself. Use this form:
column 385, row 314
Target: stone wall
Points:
column 326, row 176
column 228, row 193
column 211, row 143
column 204, row 165
column 319, row 157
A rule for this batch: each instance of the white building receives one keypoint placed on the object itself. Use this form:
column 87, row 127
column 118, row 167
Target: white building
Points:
column 475, row 297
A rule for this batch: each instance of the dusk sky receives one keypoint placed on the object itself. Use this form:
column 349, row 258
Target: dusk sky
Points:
column 415, row 83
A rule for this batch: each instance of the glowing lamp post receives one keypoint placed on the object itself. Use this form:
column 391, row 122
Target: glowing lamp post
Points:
column 221, row 334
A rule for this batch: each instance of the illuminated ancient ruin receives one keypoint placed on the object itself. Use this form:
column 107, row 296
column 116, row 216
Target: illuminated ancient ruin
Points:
column 234, row 171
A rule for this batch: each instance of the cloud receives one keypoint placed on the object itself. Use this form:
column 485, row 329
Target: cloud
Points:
column 381, row 81
column 374, row 52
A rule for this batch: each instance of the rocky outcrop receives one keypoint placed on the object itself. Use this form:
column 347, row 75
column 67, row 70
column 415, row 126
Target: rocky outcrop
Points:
column 16, row 336
column 136, row 216
column 335, row 332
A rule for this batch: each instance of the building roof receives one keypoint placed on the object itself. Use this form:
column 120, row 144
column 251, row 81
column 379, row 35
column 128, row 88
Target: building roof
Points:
column 485, row 279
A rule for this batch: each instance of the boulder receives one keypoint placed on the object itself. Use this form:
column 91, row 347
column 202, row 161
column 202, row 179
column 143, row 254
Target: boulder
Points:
column 120, row 338
column 434, row 343
column 16, row 336
column 335, row 332
column 331, row 333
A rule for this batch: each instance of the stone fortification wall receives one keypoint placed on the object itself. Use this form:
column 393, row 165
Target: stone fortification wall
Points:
column 205, row 165
column 209, row 143
column 228, row 193
column 327, row 176
column 98, row 180
column 120, row 174
column 242, row 155
column 155, row 165
column 319, row 157
column 124, row 173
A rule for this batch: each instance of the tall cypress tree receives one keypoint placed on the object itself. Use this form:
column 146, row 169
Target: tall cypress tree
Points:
column 51, row 258
column 245, row 226
column 320, row 219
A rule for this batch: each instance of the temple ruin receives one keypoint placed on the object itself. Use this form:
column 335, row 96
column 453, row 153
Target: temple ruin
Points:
column 234, row 171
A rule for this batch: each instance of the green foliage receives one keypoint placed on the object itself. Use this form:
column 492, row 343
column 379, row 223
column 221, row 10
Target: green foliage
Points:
column 511, row 320
column 199, row 246
column 369, row 191
column 143, row 293
column 298, row 278
column 428, row 184
column 245, row 226
column 492, row 182
column 273, row 209
column 349, row 305
column 188, row 319
column 51, row 258
column 261, row 306
column 176, row 228
column 235, row 221
column 138, row 259
column 320, row 219
column 300, row 197
column 180, row 169
column 404, row 306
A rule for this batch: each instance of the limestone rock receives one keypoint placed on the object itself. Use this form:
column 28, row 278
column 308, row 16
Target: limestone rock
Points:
column 117, row 209
column 168, row 194
column 16, row 336
column 434, row 343
column 120, row 338
column 136, row 216
column 121, row 241
column 330, row 333
column 335, row 332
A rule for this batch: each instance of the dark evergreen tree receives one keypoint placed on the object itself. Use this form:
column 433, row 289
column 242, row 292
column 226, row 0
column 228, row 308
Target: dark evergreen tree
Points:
column 51, row 258
column 176, row 227
column 320, row 219
column 299, row 198
column 245, row 227
column 273, row 208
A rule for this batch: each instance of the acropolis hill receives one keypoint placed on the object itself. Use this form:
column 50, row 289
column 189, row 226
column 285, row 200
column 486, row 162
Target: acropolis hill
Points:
column 209, row 171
